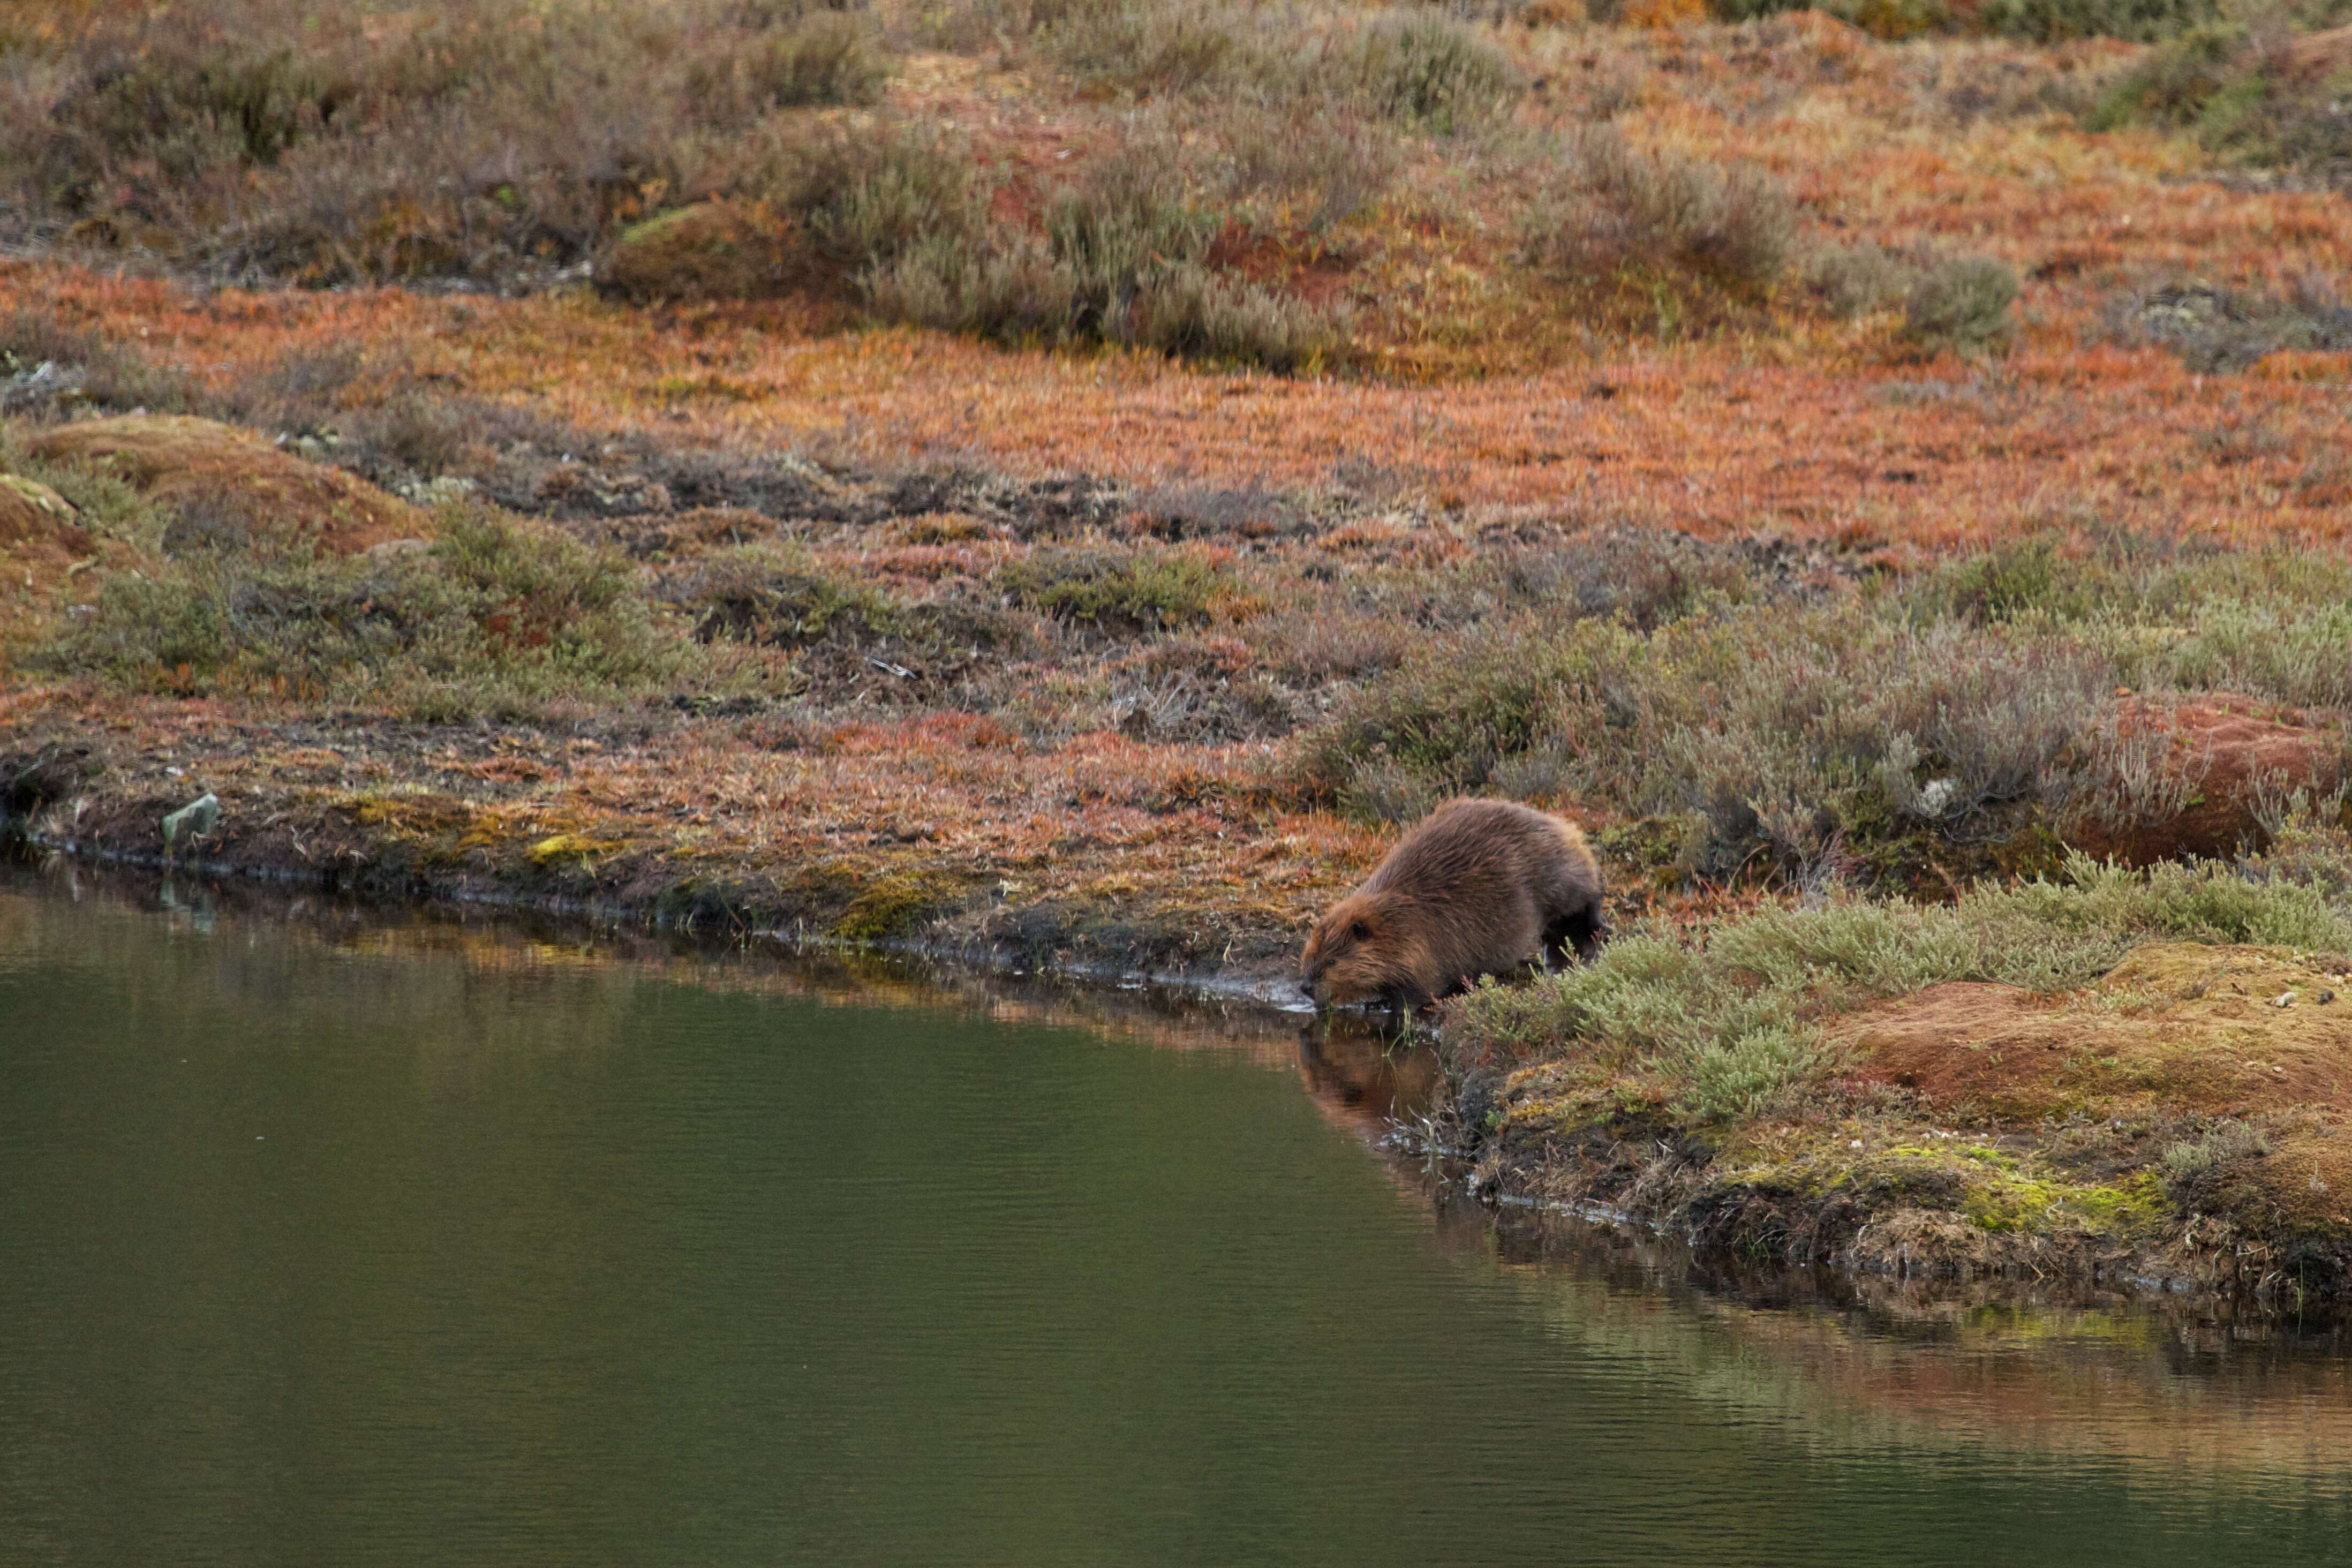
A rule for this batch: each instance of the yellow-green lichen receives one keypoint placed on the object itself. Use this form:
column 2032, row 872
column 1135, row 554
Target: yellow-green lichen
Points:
column 892, row 905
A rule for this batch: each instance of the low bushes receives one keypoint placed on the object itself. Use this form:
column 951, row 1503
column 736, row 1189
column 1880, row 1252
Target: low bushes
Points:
column 1422, row 69
column 495, row 618
column 1958, row 304
column 1116, row 591
column 1966, row 715
column 332, row 145
column 1612, row 209
column 1125, row 257
column 1415, row 67
column 781, row 597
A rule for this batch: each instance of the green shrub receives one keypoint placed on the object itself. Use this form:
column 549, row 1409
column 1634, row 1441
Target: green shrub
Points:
column 2265, row 624
column 1170, row 46
column 2245, row 106
column 830, row 58
column 1962, row 305
column 1415, row 65
column 866, row 195
column 1123, row 261
column 2048, row 21
column 2002, row 585
column 2284, row 652
column 2196, row 1170
column 1447, row 720
column 1130, row 219
column 1611, row 208
column 781, row 596
column 2175, row 83
column 1007, row 288
column 1422, row 69
column 86, row 370
column 192, row 102
column 497, row 617
column 497, row 140
column 1116, row 591
column 1853, row 280
column 1969, row 711
column 2044, row 20
column 1793, row 738
column 103, row 504
column 1194, row 312
column 1324, row 162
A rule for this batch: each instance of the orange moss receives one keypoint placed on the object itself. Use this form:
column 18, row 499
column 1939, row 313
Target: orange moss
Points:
column 2234, row 1031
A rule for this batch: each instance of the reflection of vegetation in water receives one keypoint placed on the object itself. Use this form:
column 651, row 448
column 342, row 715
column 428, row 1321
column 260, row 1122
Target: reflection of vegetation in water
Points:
column 2165, row 1396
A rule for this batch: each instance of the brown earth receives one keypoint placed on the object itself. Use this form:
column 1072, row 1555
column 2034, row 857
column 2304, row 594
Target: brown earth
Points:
column 2316, row 54
column 2235, row 752
column 222, row 481
column 2175, row 1026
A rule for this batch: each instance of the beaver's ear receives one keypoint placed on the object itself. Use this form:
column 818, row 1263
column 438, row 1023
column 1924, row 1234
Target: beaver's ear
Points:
column 1359, row 931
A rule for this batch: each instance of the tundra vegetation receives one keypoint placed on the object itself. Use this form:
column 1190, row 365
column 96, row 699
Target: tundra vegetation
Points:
column 1070, row 477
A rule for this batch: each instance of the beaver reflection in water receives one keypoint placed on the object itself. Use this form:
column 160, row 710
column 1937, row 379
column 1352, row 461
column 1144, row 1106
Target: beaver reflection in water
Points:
column 1478, row 888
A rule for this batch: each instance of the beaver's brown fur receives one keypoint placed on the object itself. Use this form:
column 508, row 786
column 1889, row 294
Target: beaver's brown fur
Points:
column 1478, row 887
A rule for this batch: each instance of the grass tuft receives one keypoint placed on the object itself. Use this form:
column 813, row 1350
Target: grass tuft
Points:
column 1730, row 1024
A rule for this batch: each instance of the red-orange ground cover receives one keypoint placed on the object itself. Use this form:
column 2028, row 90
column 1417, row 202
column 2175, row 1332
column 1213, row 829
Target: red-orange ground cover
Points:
column 1702, row 437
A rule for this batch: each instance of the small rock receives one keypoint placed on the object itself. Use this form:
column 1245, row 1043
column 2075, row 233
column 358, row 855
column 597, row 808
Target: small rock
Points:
column 2284, row 999
column 443, row 489
column 195, row 819
column 393, row 549
column 2325, row 997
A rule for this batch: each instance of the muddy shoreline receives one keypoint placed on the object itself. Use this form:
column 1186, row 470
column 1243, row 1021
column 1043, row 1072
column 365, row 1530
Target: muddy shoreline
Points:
column 411, row 819
column 710, row 921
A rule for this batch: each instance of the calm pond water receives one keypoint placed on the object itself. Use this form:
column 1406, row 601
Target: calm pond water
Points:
column 430, row 1244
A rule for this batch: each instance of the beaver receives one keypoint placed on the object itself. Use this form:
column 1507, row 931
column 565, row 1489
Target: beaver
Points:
column 1478, row 887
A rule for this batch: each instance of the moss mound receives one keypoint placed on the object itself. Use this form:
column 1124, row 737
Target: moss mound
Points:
column 226, row 487
column 711, row 250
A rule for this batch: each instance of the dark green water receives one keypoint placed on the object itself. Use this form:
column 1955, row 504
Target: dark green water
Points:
column 453, row 1250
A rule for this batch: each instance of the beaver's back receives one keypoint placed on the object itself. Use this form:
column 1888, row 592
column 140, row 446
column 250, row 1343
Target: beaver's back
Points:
column 1479, row 886
column 1459, row 849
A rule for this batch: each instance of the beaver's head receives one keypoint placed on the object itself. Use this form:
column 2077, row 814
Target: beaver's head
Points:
column 1353, row 954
